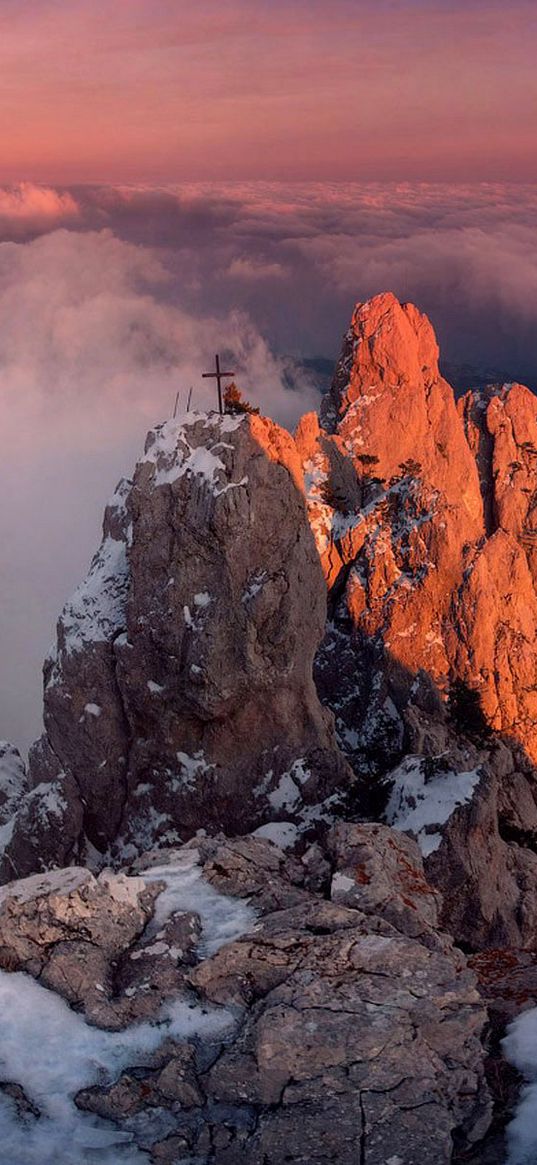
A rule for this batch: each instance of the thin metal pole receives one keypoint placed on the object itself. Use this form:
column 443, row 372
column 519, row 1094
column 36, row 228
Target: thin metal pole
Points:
column 219, row 383
column 175, row 406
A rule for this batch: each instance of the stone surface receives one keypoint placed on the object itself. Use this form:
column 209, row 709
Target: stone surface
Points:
column 201, row 613
column 380, row 871
column 429, row 556
column 68, row 928
column 351, row 1038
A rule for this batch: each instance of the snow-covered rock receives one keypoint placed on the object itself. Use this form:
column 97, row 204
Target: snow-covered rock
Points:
column 422, row 801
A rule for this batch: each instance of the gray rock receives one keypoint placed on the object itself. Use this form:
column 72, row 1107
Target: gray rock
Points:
column 180, row 693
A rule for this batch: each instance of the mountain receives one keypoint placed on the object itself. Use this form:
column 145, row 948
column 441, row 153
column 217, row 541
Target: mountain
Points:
column 294, row 707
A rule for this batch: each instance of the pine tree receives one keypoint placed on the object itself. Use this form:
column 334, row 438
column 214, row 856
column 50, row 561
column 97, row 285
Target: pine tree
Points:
column 465, row 711
column 234, row 403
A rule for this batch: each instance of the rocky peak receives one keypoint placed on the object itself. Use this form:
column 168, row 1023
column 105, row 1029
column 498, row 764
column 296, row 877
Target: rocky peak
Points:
column 180, row 694
column 407, row 564
column 180, row 708
column 389, row 406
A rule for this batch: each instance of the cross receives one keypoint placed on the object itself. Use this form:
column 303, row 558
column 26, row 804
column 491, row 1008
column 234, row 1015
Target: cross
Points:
column 218, row 376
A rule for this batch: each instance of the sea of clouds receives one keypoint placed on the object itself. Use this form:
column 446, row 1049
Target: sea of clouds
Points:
column 114, row 299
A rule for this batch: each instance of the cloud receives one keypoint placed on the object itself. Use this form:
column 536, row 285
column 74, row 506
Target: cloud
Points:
column 27, row 209
column 244, row 268
column 295, row 258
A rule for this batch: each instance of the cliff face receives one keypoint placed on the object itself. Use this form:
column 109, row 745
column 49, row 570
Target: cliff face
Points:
column 180, row 695
column 429, row 557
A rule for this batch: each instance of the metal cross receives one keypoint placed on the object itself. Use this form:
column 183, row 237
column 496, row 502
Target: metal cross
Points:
column 218, row 376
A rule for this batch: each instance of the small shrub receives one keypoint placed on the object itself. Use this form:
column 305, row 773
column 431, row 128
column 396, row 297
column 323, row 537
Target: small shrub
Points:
column 410, row 468
column 336, row 497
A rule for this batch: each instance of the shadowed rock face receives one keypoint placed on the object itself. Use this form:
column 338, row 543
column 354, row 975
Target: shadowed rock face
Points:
column 180, row 695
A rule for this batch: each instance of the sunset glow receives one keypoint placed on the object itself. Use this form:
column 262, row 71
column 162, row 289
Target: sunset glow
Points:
column 291, row 89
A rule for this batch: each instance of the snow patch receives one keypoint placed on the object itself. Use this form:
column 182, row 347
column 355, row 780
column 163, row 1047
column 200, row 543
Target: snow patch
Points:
column 255, row 584
column 202, row 599
column 283, row 833
column 96, row 611
column 520, row 1048
column 13, row 781
column 223, row 919
column 92, row 710
column 417, row 804
column 173, row 456
column 192, row 768
column 52, row 1053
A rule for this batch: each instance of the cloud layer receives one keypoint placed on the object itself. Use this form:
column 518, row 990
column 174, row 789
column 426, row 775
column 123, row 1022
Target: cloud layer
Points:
column 113, row 299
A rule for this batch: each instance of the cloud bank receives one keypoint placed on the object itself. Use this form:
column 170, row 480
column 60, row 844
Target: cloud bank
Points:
column 114, row 299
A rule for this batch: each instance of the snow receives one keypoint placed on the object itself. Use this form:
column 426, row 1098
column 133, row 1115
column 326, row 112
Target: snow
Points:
column 154, row 688
column 46, row 800
column 223, row 919
column 286, row 794
column 195, row 619
column 202, row 599
column 255, row 584
column 6, row 834
column 326, row 522
column 173, row 456
column 416, row 804
column 342, row 882
column 283, row 833
column 96, row 611
column 92, row 710
column 191, row 769
column 520, row 1049
column 12, row 780
column 52, row 1053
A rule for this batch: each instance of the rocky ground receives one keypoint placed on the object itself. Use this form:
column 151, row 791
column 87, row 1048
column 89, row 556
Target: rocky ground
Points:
column 340, row 1019
column 276, row 850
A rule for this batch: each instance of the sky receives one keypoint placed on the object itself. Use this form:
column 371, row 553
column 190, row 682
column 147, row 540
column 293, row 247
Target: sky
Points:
column 177, row 179
column 315, row 90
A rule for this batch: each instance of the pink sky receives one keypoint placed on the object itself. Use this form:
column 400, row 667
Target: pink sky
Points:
column 164, row 90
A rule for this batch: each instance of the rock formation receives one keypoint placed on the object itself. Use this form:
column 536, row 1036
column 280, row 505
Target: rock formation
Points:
column 180, row 695
column 311, row 1045
column 428, row 555
column 412, row 568
column 315, row 658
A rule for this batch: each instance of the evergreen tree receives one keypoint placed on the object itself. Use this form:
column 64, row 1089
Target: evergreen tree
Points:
column 466, row 713
column 234, row 402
